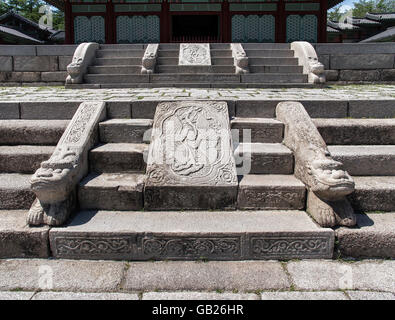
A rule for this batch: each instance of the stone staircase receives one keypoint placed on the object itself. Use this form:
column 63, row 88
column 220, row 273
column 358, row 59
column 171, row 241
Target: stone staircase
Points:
column 120, row 66
column 268, row 219
column 116, row 64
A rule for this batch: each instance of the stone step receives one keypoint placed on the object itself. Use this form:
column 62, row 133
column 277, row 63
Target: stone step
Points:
column 126, row 46
column 373, row 237
column 274, row 77
column 220, row 53
column 168, row 61
column 265, row 191
column 15, row 191
column 194, row 78
column 31, row 132
column 357, row 131
column 115, row 69
column 173, row 53
column 373, row 193
column 195, row 69
column 276, row 69
column 269, row 53
column 262, row 130
column 370, row 160
column 116, row 78
column 114, row 53
column 20, row 241
column 125, row 130
column 118, row 157
column 273, row 61
column 111, row 191
column 264, row 158
column 266, row 46
column 23, row 158
column 237, row 235
column 117, row 62
column 222, row 61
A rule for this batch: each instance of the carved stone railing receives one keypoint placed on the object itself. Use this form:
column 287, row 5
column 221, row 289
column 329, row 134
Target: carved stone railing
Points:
column 54, row 183
column 307, row 57
column 326, row 181
column 149, row 59
column 82, row 59
column 240, row 58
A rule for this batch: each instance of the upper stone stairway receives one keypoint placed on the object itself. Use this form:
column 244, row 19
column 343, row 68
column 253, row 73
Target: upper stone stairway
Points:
column 120, row 66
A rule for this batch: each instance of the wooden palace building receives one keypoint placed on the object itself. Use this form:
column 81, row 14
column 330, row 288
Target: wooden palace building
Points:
column 151, row 21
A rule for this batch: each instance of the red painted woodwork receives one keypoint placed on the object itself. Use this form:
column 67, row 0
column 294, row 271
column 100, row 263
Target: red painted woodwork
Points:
column 225, row 17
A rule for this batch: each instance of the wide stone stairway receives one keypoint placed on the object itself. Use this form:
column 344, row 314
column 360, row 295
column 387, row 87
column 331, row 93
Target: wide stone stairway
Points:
column 128, row 214
column 119, row 66
column 244, row 204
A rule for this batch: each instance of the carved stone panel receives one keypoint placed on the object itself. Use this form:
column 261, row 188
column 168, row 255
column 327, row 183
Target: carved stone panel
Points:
column 194, row 54
column 190, row 161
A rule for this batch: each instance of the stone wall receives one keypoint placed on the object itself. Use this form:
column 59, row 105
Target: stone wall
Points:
column 358, row 62
column 34, row 65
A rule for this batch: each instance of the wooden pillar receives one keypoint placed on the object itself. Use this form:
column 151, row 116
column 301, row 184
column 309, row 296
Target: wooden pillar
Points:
column 69, row 37
column 322, row 37
column 110, row 23
column 226, row 25
column 280, row 22
column 165, row 22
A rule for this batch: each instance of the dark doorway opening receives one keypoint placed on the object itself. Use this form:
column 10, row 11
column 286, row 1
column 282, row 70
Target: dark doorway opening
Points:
column 195, row 28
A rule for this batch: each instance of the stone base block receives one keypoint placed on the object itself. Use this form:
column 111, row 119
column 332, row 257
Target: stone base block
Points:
column 236, row 235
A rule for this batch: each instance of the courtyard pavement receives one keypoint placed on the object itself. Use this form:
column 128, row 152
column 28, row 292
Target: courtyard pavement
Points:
column 335, row 92
column 50, row 279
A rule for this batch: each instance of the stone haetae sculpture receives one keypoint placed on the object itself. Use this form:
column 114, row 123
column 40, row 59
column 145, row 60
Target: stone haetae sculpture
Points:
column 307, row 57
column 149, row 59
column 328, row 183
column 54, row 183
column 82, row 58
column 240, row 58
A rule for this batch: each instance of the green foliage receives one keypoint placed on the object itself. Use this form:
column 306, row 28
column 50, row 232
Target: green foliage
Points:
column 362, row 7
column 30, row 10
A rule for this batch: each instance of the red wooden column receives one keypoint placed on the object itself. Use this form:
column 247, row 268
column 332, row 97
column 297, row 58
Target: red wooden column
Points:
column 67, row 23
column 322, row 21
column 226, row 25
column 110, row 23
column 165, row 22
column 280, row 22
